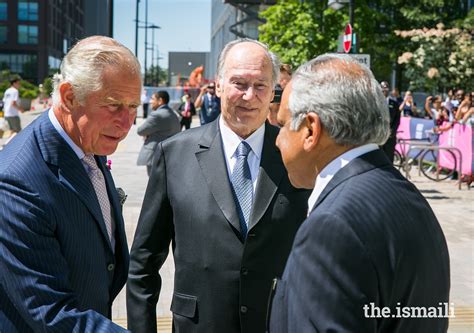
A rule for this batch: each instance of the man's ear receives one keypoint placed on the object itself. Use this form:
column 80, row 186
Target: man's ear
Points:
column 313, row 131
column 219, row 88
column 68, row 99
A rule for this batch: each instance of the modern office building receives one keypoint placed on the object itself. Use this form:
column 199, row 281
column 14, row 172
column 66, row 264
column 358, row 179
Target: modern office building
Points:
column 36, row 34
column 231, row 19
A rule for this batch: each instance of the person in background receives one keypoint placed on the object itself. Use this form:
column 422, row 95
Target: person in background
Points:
column 394, row 112
column 371, row 238
column 209, row 103
column 275, row 106
column 285, row 75
column 64, row 254
column 145, row 103
column 162, row 123
column 187, row 110
column 11, row 106
column 408, row 106
column 220, row 195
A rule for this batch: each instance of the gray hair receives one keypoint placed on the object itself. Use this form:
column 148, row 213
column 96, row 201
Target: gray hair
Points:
column 84, row 65
column 345, row 96
column 272, row 56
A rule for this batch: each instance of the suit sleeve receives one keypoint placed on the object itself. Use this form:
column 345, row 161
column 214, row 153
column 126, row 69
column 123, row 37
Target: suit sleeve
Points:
column 149, row 250
column 33, row 272
column 329, row 279
column 154, row 123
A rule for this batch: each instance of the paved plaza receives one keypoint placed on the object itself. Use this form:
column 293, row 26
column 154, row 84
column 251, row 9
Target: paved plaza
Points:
column 454, row 209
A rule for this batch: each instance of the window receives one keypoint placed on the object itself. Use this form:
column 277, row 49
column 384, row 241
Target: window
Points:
column 27, row 10
column 23, row 64
column 3, row 35
column 27, row 34
column 3, row 10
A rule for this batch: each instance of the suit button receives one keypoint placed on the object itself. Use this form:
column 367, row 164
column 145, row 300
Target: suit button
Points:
column 245, row 271
column 243, row 309
column 110, row 267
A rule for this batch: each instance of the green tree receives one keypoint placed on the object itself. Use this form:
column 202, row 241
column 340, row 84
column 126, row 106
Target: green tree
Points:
column 156, row 76
column 298, row 31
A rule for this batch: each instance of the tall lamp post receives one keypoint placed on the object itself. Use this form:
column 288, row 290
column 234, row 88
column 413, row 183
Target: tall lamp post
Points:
column 153, row 27
column 136, row 28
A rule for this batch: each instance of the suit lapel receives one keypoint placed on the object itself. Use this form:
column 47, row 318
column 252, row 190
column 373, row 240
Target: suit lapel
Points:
column 210, row 156
column 269, row 176
column 359, row 165
column 71, row 172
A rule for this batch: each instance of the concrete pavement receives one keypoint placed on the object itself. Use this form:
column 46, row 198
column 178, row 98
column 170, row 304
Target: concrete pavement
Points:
column 454, row 209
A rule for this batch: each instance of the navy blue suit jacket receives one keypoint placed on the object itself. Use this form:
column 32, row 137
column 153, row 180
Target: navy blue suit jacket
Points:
column 370, row 238
column 57, row 269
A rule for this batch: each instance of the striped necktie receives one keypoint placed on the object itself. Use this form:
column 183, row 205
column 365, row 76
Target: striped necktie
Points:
column 243, row 188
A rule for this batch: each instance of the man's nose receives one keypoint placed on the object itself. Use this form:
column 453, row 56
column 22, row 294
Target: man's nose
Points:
column 249, row 93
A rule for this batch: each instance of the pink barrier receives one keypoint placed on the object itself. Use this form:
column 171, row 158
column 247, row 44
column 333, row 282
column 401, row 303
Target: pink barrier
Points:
column 461, row 137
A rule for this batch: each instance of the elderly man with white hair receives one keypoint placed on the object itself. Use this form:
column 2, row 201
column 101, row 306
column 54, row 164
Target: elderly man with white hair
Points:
column 371, row 249
column 63, row 250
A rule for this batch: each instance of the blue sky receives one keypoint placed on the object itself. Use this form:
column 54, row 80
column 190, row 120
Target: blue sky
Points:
column 185, row 26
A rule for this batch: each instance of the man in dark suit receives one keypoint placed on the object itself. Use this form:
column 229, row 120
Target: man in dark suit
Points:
column 220, row 195
column 394, row 111
column 161, row 123
column 64, row 255
column 371, row 241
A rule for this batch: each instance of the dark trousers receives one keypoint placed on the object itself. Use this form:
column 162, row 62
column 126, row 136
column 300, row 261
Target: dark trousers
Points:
column 186, row 122
column 145, row 110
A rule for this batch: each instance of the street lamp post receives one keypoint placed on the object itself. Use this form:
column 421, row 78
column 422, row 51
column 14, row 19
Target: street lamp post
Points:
column 153, row 27
column 146, row 39
column 136, row 28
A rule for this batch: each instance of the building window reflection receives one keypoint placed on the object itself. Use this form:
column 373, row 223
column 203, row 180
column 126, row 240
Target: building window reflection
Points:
column 24, row 64
column 27, row 10
column 3, row 35
column 3, row 10
column 27, row 34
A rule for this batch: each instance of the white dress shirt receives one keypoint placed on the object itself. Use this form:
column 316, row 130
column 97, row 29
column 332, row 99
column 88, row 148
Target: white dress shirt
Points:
column 325, row 176
column 230, row 141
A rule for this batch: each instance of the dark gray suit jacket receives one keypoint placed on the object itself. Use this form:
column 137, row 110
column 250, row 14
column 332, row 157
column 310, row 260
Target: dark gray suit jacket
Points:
column 160, row 125
column 221, row 283
column 370, row 238
column 58, row 272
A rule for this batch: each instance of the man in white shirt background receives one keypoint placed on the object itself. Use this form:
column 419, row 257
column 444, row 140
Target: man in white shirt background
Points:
column 11, row 106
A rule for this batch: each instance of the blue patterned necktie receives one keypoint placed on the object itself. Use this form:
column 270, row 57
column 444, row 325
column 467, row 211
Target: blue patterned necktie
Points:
column 243, row 188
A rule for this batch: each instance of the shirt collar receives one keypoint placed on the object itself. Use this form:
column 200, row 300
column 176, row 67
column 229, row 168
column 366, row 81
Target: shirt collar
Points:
column 52, row 117
column 328, row 173
column 232, row 140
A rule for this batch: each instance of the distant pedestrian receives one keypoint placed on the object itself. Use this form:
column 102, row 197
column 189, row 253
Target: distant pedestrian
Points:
column 145, row 103
column 209, row 103
column 394, row 110
column 12, row 108
column 162, row 123
column 187, row 111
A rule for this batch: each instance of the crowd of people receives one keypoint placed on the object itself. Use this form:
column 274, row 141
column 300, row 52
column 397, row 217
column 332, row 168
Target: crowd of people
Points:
column 293, row 228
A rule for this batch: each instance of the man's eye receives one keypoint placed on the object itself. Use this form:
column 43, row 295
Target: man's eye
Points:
column 260, row 86
column 114, row 107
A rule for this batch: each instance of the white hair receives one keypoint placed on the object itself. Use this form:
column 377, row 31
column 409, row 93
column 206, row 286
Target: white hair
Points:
column 345, row 96
column 272, row 56
column 84, row 65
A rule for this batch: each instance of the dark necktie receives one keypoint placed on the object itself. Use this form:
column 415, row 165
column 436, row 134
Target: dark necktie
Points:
column 243, row 188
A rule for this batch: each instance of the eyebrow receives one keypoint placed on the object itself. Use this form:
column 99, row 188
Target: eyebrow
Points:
column 113, row 100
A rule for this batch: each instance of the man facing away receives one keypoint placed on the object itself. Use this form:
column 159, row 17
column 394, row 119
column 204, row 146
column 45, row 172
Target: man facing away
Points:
column 220, row 195
column 394, row 111
column 371, row 241
column 64, row 255
column 11, row 106
column 161, row 123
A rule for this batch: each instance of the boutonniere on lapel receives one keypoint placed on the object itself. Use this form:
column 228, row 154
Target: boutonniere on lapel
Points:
column 109, row 165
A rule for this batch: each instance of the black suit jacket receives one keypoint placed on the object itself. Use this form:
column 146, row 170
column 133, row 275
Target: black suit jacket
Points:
column 370, row 238
column 221, row 282
column 58, row 272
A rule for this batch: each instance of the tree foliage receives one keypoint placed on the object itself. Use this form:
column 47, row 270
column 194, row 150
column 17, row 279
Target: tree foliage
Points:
column 298, row 31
